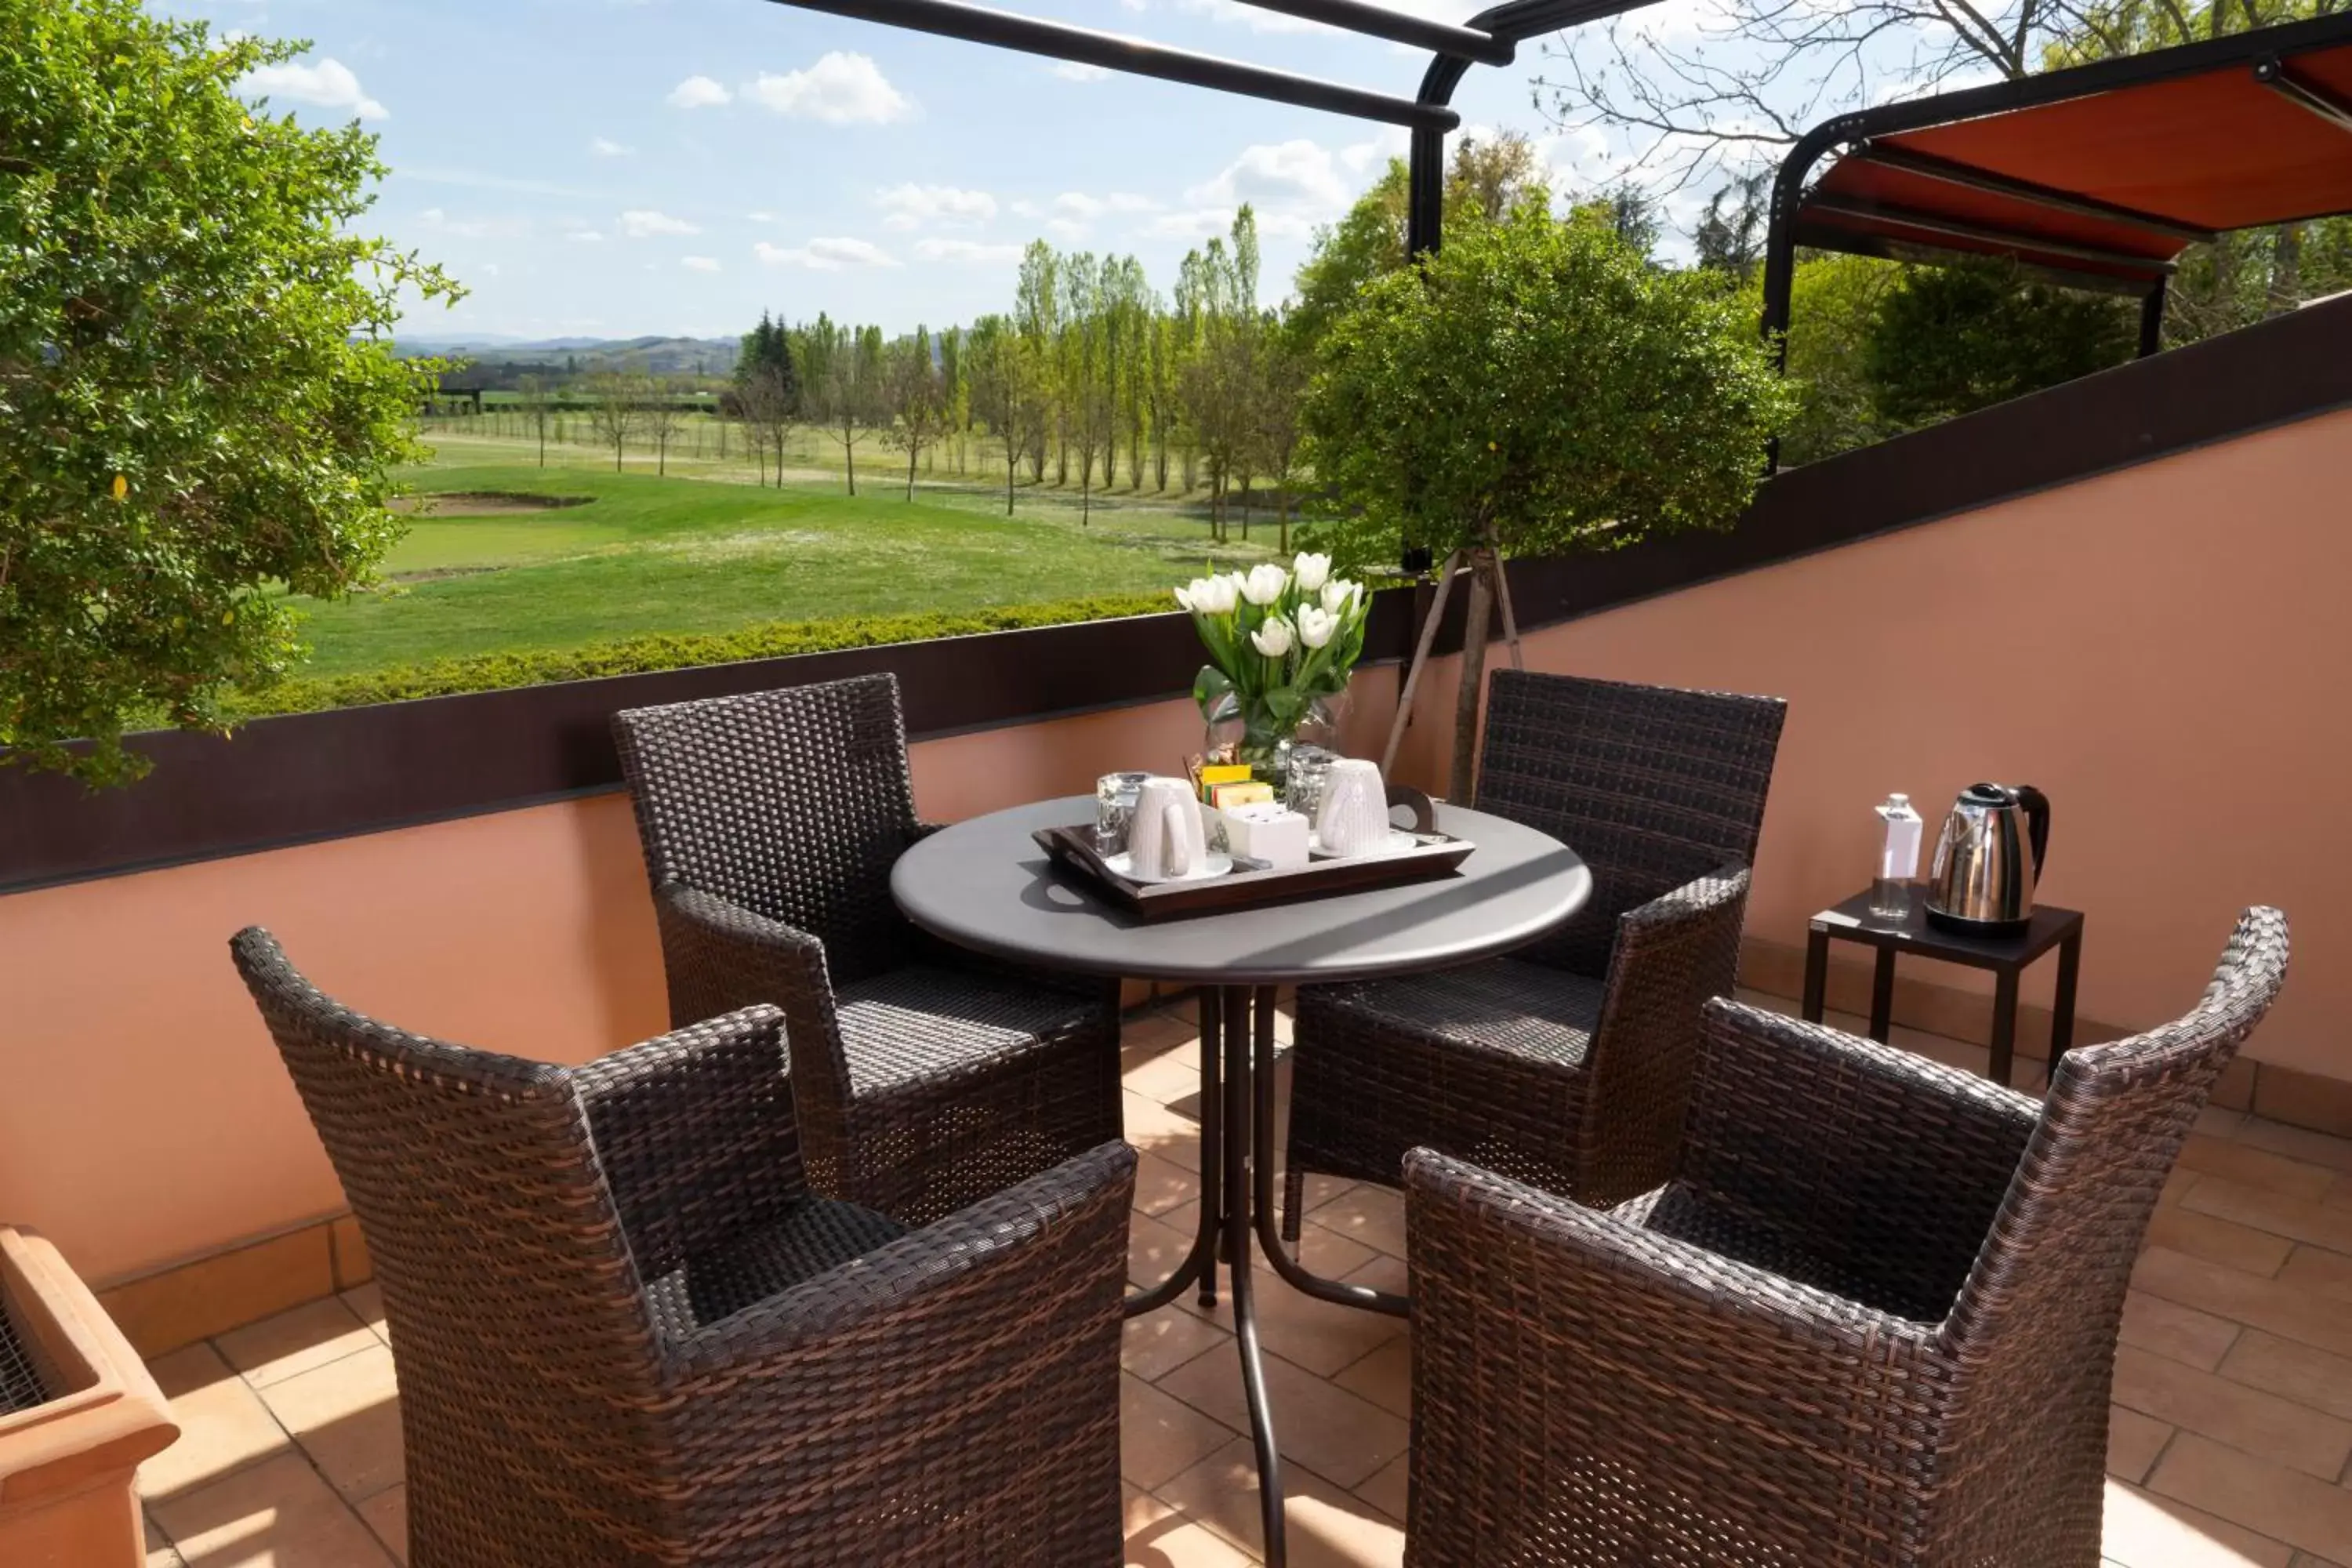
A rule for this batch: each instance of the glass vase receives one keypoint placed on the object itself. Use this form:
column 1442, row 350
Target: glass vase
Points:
column 1257, row 738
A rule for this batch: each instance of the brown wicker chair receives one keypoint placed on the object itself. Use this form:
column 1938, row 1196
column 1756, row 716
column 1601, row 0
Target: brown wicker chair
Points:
column 1567, row 1065
column 1871, row 1321
column 925, row 1083
column 627, row 1336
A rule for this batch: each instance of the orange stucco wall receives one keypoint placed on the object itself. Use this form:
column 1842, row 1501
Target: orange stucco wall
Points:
column 2167, row 651
column 2163, row 650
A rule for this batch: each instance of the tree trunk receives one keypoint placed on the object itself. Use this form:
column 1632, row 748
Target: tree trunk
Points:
column 1463, row 788
column 1010, row 467
column 2286, row 268
column 849, row 454
column 910, row 472
column 1282, row 540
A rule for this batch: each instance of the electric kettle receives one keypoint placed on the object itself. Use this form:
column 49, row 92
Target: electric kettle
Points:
column 1988, row 860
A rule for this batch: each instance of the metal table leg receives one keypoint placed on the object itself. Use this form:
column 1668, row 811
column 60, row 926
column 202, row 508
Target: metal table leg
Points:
column 1235, row 1004
column 2062, row 1005
column 1817, row 973
column 1882, row 995
column 2004, row 1024
column 1200, row 1263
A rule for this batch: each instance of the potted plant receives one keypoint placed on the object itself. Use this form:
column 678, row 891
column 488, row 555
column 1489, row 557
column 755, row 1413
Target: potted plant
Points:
column 1537, row 387
column 1281, row 645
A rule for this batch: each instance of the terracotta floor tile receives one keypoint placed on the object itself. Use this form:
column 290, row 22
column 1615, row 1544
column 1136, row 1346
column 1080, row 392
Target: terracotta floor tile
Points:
column 2246, row 1418
column 2144, row 1531
column 1332, row 1432
column 1154, row 1250
column 2300, row 1219
column 2256, row 1167
column 1167, row 1078
column 161, row 1553
column 1370, row 1214
column 277, row 1514
column 2186, row 1335
column 2308, row 1514
column 224, row 1426
column 2309, row 1376
column 276, row 1348
column 1160, row 1435
column 2340, row 1196
column 2306, row 1559
column 2186, row 1228
column 1163, row 1184
column 2215, row 1121
column 1156, row 1035
column 386, row 1513
column 1158, row 1343
column 346, row 1415
column 1177, row 1541
column 1384, row 1377
column 1385, row 1273
column 2133, row 1443
column 1390, row 1488
column 1156, row 1130
column 1138, row 1508
column 367, row 1302
column 2283, row 1308
column 2319, row 1271
column 1324, row 1526
column 1321, row 1336
column 2299, row 1143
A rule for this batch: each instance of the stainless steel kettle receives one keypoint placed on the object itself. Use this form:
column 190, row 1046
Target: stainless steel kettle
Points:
column 1988, row 860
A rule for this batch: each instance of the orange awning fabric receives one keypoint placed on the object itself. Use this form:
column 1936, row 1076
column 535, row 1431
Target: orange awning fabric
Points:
column 2112, row 185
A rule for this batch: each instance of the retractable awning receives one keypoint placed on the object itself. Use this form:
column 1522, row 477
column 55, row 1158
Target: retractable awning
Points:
column 2101, row 174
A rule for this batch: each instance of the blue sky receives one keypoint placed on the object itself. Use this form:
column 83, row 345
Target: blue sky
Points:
column 605, row 168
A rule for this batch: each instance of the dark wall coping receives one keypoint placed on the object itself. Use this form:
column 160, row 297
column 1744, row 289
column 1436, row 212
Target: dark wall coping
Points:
column 304, row 777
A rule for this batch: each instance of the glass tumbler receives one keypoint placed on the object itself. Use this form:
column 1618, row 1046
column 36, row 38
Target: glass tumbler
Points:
column 1115, row 811
column 1302, row 788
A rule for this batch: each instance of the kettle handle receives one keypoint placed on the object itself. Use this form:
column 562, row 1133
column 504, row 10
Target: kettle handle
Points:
column 2037, row 822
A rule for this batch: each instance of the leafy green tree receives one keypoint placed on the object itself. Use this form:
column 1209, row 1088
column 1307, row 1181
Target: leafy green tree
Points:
column 1946, row 340
column 915, row 397
column 1834, row 304
column 198, row 396
column 1535, row 388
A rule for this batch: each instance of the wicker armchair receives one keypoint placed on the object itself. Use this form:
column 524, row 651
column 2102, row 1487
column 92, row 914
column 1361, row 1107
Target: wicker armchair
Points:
column 627, row 1336
column 925, row 1083
column 1871, row 1321
column 1567, row 1065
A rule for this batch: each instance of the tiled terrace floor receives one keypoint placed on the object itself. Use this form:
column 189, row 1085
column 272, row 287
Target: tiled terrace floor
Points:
column 2230, row 1445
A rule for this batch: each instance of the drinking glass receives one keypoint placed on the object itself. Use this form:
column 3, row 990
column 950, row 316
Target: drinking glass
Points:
column 1302, row 788
column 1115, row 811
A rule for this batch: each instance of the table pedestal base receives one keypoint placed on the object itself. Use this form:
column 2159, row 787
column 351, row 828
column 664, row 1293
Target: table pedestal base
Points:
column 1237, row 1161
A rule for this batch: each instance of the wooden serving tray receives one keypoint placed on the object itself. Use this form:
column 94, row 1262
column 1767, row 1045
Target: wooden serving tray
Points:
column 1251, row 883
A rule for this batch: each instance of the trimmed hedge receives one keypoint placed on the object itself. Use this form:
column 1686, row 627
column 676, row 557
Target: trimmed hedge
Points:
column 637, row 656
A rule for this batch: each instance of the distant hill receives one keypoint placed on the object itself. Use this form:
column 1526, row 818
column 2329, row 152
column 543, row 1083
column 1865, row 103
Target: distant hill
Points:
column 493, row 361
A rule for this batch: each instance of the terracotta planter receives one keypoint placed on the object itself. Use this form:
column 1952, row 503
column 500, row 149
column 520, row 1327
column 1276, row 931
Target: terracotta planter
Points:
column 77, row 1414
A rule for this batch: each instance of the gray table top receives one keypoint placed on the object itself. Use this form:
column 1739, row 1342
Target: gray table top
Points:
column 983, row 884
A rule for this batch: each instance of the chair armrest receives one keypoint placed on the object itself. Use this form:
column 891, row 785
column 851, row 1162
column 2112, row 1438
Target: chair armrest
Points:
column 1566, row 1361
column 719, row 956
column 1672, row 954
column 1888, row 1163
column 1018, row 1273
column 694, row 1132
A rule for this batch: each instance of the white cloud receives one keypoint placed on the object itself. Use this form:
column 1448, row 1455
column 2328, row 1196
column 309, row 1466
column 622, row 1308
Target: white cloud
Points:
column 910, row 205
column 1296, row 179
column 641, row 224
column 699, row 92
column 831, row 255
column 699, row 263
column 1067, row 227
column 1370, row 157
column 971, row 251
column 1078, row 70
column 759, row 217
column 1195, row 223
column 1026, row 209
column 585, row 237
column 440, row 221
column 605, row 147
column 839, row 89
column 328, row 84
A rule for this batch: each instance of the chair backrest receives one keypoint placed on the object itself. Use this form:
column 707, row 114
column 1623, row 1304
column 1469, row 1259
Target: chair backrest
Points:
column 2046, row 1293
column 1650, row 785
column 508, row 1288
column 795, row 804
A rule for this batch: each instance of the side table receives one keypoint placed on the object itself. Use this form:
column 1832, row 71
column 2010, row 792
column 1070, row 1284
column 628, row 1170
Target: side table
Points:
column 1852, row 921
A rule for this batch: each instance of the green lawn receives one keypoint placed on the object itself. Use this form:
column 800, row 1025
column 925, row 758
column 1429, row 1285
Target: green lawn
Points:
column 682, row 554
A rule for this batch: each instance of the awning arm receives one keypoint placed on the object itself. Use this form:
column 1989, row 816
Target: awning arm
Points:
column 2280, row 78
column 1983, row 234
column 1379, row 22
column 1083, row 46
column 1967, row 175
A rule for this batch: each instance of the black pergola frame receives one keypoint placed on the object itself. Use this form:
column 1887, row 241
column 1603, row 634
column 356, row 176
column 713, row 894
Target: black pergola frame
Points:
column 2266, row 52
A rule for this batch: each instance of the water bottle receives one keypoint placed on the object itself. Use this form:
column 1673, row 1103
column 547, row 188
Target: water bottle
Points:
column 1898, row 859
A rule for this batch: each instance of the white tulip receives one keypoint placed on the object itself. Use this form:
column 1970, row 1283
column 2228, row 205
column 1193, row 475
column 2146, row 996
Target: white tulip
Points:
column 1315, row 627
column 1314, row 570
column 1339, row 596
column 1272, row 639
column 1208, row 595
column 1264, row 583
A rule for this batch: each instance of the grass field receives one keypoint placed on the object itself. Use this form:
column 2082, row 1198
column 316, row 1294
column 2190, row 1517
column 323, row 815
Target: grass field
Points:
column 706, row 554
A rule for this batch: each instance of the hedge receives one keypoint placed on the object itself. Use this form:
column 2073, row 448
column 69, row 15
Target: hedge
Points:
column 639, row 655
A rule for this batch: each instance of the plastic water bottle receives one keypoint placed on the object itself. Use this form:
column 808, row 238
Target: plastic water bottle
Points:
column 1898, row 859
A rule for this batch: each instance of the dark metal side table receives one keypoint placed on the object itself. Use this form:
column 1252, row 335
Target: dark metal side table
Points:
column 2007, row 957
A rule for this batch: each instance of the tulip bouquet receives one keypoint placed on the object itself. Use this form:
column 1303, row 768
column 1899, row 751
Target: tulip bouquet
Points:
column 1280, row 643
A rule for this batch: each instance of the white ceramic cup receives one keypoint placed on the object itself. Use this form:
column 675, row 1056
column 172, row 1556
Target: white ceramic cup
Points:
column 1166, row 838
column 1352, row 814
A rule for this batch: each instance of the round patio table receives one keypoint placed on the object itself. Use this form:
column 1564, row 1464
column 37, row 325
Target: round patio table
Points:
column 985, row 885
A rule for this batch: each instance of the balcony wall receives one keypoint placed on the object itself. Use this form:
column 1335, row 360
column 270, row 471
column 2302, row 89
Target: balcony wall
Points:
column 2126, row 591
